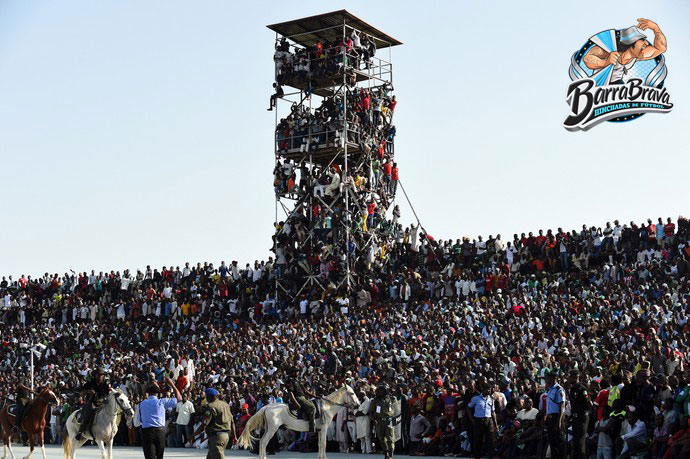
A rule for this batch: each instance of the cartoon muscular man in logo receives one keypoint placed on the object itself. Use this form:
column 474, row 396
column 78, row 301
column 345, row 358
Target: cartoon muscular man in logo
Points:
column 631, row 46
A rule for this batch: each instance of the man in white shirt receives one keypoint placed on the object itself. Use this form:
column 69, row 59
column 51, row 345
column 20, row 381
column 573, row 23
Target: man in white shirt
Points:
column 529, row 413
column 184, row 410
column 636, row 438
column 363, row 424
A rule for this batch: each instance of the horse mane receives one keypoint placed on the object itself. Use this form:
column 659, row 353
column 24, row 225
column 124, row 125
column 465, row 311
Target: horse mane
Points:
column 45, row 389
column 337, row 396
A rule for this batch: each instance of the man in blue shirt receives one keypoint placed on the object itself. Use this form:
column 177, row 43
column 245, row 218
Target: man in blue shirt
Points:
column 483, row 414
column 152, row 417
column 555, row 404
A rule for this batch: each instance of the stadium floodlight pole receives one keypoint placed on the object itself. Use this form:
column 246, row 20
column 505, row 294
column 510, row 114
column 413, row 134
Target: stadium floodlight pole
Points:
column 344, row 139
column 32, row 349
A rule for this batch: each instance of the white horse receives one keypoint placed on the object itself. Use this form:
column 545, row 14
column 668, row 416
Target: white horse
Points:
column 271, row 417
column 103, row 428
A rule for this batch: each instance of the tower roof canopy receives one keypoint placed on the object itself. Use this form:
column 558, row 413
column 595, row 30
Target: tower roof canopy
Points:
column 324, row 27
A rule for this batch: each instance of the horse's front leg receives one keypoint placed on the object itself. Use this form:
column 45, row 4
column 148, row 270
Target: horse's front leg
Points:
column 31, row 446
column 110, row 448
column 101, row 446
column 322, row 441
column 41, row 439
column 9, row 446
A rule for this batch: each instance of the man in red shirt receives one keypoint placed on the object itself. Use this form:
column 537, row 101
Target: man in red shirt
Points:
column 669, row 229
column 387, row 173
column 391, row 105
column 371, row 207
column 394, row 179
column 182, row 381
column 540, row 240
column 244, row 417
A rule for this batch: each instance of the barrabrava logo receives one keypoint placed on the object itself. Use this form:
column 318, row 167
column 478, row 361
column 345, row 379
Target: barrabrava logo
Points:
column 618, row 76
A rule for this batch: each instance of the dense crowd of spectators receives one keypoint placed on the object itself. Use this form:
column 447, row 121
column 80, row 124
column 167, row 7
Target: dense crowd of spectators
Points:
column 296, row 64
column 442, row 322
column 369, row 122
column 311, row 242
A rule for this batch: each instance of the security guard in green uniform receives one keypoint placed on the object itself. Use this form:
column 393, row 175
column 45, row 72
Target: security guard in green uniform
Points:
column 382, row 411
column 23, row 398
column 298, row 395
column 218, row 425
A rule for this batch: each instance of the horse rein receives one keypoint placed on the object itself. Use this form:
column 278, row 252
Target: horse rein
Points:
column 337, row 404
column 122, row 409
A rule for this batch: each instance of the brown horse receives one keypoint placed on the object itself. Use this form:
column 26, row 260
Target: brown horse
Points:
column 34, row 422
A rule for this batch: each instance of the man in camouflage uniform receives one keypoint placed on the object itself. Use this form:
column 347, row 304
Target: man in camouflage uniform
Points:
column 299, row 396
column 382, row 411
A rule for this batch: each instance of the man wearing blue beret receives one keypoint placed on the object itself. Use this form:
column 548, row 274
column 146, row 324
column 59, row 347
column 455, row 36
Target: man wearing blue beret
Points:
column 218, row 425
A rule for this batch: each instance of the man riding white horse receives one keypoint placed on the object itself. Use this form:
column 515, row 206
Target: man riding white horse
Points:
column 299, row 396
column 95, row 391
column 272, row 416
column 104, row 426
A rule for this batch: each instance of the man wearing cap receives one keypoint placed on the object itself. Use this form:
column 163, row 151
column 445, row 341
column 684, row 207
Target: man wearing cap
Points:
column 382, row 411
column 555, row 405
column 631, row 46
column 95, row 391
column 580, row 405
column 244, row 417
column 152, row 417
column 217, row 423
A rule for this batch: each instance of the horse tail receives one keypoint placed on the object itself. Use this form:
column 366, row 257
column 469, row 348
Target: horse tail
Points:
column 258, row 421
column 67, row 444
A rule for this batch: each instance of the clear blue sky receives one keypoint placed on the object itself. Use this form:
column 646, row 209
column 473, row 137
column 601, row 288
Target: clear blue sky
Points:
column 136, row 133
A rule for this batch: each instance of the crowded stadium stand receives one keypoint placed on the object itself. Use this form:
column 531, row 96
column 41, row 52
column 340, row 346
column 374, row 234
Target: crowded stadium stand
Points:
column 436, row 320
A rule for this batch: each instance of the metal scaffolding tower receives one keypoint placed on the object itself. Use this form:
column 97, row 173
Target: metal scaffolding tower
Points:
column 335, row 176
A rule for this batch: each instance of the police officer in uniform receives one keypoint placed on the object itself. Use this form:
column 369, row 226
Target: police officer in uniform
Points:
column 299, row 396
column 95, row 390
column 580, row 406
column 555, row 405
column 483, row 414
column 218, row 425
column 23, row 397
column 382, row 410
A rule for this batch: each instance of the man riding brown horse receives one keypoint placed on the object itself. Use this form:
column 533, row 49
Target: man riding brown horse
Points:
column 33, row 420
column 23, row 397
column 95, row 391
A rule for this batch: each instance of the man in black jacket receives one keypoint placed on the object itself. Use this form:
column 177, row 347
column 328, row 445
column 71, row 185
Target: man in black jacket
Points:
column 95, row 392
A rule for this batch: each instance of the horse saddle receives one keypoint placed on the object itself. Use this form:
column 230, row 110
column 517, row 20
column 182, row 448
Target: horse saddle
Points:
column 300, row 414
column 79, row 416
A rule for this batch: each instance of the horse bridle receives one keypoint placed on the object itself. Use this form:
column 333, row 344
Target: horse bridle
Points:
column 127, row 411
column 49, row 401
column 353, row 406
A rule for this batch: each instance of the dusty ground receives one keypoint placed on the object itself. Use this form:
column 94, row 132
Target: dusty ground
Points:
column 122, row 452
